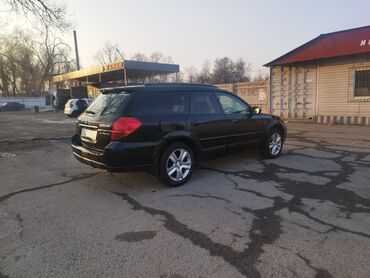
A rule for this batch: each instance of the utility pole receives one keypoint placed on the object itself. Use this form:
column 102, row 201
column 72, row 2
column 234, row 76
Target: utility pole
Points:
column 124, row 70
column 76, row 50
column 119, row 53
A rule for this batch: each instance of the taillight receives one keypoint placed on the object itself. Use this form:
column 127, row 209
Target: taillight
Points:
column 123, row 127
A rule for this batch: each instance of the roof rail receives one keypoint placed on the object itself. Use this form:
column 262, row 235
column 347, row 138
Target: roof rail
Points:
column 179, row 84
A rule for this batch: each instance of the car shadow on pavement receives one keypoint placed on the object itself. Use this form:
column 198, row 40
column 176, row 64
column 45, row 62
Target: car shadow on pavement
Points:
column 145, row 181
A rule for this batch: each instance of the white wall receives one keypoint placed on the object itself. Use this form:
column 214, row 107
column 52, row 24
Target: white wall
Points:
column 29, row 102
column 336, row 85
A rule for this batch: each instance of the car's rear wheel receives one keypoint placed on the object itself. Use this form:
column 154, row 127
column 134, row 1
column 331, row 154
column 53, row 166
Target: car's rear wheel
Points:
column 176, row 164
column 74, row 114
column 272, row 146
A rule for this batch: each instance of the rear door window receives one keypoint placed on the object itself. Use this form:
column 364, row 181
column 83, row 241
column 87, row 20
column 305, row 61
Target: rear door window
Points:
column 203, row 103
column 166, row 103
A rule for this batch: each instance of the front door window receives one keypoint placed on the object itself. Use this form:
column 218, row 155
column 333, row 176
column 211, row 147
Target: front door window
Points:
column 232, row 105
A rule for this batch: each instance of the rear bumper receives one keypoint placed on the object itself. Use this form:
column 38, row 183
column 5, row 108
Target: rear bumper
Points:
column 116, row 156
column 88, row 157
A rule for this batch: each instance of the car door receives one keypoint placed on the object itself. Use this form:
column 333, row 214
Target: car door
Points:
column 246, row 128
column 11, row 106
column 208, row 123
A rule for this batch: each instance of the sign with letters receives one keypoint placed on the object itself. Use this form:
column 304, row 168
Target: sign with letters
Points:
column 365, row 42
column 113, row 66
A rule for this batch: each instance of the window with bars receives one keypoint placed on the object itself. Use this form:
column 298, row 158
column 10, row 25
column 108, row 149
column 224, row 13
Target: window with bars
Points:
column 362, row 83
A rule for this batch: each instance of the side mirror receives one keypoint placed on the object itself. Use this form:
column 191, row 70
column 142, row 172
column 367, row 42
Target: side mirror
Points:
column 257, row 110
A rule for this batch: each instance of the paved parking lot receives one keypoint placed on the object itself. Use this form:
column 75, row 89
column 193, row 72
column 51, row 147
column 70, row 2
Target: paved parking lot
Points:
column 304, row 214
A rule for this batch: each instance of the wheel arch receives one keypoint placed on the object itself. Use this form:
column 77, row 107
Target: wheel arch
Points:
column 268, row 131
column 275, row 125
column 183, row 137
column 272, row 125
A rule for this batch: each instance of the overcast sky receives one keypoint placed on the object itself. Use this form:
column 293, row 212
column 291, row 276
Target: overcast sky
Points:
column 192, row 31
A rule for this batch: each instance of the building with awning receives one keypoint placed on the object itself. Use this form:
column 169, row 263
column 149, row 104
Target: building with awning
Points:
column 119, row 71
column 87, row 82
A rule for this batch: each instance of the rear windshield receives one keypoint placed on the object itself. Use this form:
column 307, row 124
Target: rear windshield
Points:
column 108, row 103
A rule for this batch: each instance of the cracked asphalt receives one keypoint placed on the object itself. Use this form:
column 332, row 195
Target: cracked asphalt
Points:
column 305, row 214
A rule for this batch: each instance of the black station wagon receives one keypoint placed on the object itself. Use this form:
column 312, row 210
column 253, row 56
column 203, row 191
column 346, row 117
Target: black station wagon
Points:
column 166, row 128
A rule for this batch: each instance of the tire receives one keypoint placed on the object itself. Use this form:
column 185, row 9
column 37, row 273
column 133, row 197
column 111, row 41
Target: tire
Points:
column 74, row 114
column 272, row 145
column 176, row 164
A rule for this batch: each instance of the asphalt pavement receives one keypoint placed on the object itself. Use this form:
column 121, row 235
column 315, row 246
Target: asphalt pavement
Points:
column 305, row 214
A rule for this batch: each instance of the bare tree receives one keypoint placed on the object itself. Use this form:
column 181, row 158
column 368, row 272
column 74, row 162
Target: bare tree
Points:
column 226, row 70
column 4, row 83
column 223, row 70
column 156, row 57
column 52, row 54
column 241, row 71
column 178, row 77
column 26, row 63
column 8, row 53
column 205, row 75
column 47, row 12
column 27, row 70
column 109, row 53
column 261, row 76
column 166, row 59
column 139, row 57
column 191, row 74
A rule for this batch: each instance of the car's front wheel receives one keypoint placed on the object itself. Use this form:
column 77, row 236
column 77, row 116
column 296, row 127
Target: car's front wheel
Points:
column 176, row 164
column 272, row 146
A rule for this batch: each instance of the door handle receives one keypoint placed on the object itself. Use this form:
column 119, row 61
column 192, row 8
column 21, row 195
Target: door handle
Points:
column 235, row 121
column 195, row 123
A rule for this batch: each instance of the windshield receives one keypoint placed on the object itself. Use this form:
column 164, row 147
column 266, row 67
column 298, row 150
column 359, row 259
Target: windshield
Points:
column 108, row 103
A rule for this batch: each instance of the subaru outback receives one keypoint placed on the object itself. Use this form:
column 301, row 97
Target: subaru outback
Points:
column 167, row 128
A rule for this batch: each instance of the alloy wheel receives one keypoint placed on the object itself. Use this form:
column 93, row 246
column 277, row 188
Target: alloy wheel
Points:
column 275, row 143
column 178, row 164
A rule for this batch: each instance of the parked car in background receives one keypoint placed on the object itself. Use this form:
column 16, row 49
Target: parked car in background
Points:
column 71, row 108
column 167, row 128
column 12, row 106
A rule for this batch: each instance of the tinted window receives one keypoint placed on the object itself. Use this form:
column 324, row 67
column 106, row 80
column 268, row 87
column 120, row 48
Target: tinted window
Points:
column 162, row 103
column 362, row 83
column 108, row 103
column 232, row 105
column 203, row 103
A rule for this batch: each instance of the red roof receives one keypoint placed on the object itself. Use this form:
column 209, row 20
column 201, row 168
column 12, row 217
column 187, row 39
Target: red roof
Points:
column 341, row 43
